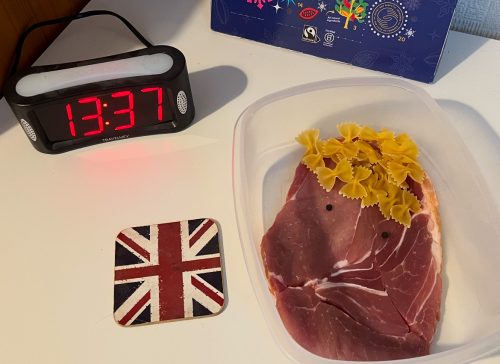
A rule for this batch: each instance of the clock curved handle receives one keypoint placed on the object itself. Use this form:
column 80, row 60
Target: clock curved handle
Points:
column 65, row 19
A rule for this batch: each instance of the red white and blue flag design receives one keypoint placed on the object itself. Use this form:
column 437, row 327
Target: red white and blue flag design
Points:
column 168, row 271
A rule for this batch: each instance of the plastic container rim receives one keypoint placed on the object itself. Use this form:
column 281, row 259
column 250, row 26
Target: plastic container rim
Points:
column 465, row 353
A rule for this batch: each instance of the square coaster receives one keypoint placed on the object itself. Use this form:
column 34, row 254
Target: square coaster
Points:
column 168, row 272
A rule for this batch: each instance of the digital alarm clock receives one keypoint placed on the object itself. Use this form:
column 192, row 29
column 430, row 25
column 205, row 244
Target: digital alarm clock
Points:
column 67, row 106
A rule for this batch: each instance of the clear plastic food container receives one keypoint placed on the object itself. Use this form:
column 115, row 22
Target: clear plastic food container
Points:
column 264, row 161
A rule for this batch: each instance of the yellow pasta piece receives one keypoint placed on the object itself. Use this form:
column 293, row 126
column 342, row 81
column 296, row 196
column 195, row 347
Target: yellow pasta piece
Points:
column 332, row 147
column 401, row 214
column 374, row 165
column 337, row 158
column 404, row 139
column 361, row 163
column 391, row 180
column 400, row 211
column 350, row 150
column 385, row 134
column 327, row 176
column 412, row 201
column 313, row 161
column 383, row 185
column 368, row 134
column 335, row 149
column 349, row 131
column 312, row 156
column 384, row 163
column 379, row 170
column 416, row 172
column 309, row 139
column 402, row 147
column 353, row 189
column 366, row 152
column 398, row 172
column 372, row 189
column 387, row 199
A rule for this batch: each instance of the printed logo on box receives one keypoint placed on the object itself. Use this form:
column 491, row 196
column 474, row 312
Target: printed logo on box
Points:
column 310, row 34
column 328, row 38
column 308, row 13
column 387, row 19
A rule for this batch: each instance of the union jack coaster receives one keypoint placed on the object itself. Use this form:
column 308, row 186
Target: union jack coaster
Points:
column 168, row 272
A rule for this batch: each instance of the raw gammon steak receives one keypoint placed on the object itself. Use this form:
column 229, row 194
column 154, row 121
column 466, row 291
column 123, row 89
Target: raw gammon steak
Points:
column 350, row 284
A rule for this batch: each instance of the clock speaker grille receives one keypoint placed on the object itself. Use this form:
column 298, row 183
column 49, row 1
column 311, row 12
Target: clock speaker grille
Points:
column 28, row 129
column 182, row 103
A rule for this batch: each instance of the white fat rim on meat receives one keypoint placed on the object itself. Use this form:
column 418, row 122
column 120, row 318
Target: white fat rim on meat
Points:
column 396, row 249
column 278, row 277
column 437, row 254
column 328, row 285
column 342, row 271
column 433, row 228
column 401, row 239
column 364, row 257
column 437, row 251
column 341, row 264
column 417, row 312
column 314, row 282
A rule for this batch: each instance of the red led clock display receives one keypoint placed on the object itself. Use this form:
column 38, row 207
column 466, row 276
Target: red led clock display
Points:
column 108, row 114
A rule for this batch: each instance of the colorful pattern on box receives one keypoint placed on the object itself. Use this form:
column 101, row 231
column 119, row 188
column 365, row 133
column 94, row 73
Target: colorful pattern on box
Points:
column 401, row 37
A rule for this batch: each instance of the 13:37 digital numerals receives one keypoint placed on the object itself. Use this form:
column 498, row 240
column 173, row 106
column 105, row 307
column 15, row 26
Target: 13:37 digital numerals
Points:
column 129, row 113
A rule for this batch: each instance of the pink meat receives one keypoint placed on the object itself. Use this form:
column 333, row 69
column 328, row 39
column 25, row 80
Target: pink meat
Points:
column 349, row 284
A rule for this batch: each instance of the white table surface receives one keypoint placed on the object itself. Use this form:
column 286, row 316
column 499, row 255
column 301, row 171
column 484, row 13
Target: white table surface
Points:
column 59, row 214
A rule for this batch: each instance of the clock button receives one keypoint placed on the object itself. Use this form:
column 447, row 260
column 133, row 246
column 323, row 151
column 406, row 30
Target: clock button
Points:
column 182, row 103
column 28, row 129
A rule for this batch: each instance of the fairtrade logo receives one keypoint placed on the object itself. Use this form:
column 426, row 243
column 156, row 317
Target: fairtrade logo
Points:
column 310, row 34
column 308, row 13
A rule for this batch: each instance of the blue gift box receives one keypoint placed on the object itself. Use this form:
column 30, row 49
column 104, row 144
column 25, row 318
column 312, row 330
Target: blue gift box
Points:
column 401, row 37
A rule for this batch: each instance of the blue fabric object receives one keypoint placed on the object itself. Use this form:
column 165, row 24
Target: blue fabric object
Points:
column 479, row 17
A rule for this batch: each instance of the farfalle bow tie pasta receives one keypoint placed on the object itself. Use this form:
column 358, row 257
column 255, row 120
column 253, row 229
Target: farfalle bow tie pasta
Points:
column 374, row 165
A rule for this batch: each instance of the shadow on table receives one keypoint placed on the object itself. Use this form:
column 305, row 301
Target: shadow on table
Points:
column 456, row 51
column 473, row 127
column 475, row 130
column 482, row 140
column 8, row 119
column 214, row 87
column 223, row 270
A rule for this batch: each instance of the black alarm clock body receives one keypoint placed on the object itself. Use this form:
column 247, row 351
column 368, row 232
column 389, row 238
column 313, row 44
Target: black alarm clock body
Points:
column 67, row 106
